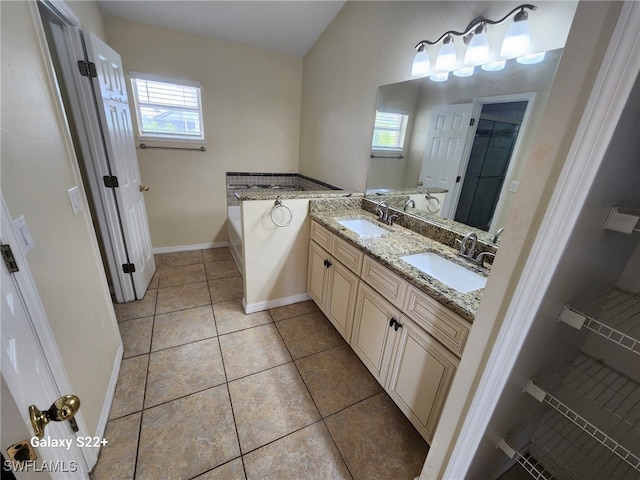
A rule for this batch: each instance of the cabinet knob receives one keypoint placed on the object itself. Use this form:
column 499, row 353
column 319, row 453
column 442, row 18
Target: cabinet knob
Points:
column 393, row 322
column 327, row 263
column 397, row 326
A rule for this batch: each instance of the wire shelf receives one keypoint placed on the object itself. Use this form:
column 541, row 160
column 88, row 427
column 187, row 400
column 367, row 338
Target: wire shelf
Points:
column 614, row 315
column 571, row 453
column 534, row 468
column 603, row 403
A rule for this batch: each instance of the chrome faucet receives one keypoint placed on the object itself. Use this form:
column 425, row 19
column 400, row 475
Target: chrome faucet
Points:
column 497, row 235
column 469, row 253
column 413, row 204
column 383, row 215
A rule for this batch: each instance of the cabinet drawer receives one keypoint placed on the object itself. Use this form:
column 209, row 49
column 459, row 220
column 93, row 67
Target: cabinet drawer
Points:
column 350, row 256
column 436, row 319
column 384, row 281
column 321, row 236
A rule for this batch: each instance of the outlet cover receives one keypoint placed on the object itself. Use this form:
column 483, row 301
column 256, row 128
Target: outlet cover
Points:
column 76, row 201
column 515, row 185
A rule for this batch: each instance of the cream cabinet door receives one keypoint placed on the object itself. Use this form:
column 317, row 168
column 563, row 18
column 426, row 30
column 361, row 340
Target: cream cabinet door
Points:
column 421, row 376
column 341, row 298
column 317, row 276
column 374, row 334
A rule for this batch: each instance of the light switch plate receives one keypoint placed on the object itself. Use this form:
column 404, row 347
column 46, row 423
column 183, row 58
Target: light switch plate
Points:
column 76, row 201
column 23, row 234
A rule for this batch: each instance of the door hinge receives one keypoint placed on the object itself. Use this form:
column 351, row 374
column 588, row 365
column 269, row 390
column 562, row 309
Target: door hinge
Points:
column 458, row 179
column 472, row 122
column 9, row 259
column 87, row 69
column 128, row 267
column 110, row 181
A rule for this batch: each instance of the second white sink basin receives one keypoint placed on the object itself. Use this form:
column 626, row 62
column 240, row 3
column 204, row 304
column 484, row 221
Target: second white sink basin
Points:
column 364, row 228
column 449, row 273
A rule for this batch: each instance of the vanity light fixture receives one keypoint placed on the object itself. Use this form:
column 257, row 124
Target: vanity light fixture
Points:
column 515, row 45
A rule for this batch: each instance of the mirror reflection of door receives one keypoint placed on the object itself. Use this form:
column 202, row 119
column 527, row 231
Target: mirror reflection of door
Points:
column 495, row 137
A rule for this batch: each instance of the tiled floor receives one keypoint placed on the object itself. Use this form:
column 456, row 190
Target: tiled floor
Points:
column 208, row 392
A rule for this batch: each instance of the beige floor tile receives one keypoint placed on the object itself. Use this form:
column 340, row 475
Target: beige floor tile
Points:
column 184, row 326
column 308, row 454
column 230, row 317
column 153, row 284
column 180, row 297
column 377, row 441
column 182, row 370
column 179, row 258
column 117, row 459
column 129, row 394
column 234, row 470
column 216, row 254
column 252, row 350
column 221, row 269
column 137, row 309
column 308, row 334
column 136, row 336
column 337, row 379
column 225, row 289
column 293, row 310
column 187, row 437
column 170, row 276
column 269, row 405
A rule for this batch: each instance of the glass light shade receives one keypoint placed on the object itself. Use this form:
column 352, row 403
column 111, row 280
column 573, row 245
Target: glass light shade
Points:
column 531, row 58
column 421, row 65
column 464, row 72
column 439, row 77
column 478, row 50
column 517, row 39
column 446, row 60
column 494, row 66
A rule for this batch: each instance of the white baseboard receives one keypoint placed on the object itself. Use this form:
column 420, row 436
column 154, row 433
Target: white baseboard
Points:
column 187, row 248
column 108, row 400
column 278, row 302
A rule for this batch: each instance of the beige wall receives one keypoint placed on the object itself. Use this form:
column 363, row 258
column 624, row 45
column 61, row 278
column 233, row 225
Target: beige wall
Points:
column 38, row 166
column 371, row 44
column 251, row 109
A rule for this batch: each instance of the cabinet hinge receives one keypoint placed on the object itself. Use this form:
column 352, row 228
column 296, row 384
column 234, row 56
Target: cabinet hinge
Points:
column 128, row 267
column 110, row 181
column 9, row 259
column 87, row 69
column 458, row 179
column 472, row 122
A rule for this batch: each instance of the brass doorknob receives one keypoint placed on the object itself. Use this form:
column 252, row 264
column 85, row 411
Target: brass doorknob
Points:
column 144, row 188
column 62, row 409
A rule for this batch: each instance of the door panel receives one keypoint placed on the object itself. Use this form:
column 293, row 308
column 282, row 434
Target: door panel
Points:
column 445, row 149
column 117, row 128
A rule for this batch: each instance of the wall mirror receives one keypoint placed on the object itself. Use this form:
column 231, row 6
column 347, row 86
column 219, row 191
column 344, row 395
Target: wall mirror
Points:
column 436, row 145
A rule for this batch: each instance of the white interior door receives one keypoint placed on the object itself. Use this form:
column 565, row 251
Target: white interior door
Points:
column 445, row 150
column 29, row 376
column 115, row 116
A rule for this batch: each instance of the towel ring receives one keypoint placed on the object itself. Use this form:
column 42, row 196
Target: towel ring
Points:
column 278, row 204
column 429, row 197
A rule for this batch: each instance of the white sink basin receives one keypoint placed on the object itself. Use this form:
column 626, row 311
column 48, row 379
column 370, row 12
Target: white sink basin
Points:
column 447, row 272
column 363, row 228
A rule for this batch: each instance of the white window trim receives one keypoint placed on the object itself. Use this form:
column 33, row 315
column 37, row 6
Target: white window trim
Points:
column 162, row 140
column 393, row 150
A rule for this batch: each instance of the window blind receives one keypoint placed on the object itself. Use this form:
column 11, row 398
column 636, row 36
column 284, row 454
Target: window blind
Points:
column 389, row 131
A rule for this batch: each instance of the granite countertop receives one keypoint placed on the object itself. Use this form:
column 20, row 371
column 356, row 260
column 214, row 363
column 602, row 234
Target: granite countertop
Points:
column 401, row 241
column 266, row 194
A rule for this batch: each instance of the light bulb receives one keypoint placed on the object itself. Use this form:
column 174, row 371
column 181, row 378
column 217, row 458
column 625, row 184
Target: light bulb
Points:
column 494, row 66
column 518, row 36
column 478, row 49
column 531, row 58
column 421, row 65
column 446, row 59
column 439, row 77
column 464, row 72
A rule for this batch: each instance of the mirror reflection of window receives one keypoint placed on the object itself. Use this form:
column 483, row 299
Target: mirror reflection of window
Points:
column 389, row 131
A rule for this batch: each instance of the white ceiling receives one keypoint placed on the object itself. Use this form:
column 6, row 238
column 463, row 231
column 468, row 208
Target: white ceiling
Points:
column 289, row 27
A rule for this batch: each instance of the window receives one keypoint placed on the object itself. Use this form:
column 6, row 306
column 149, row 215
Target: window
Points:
column 167, row 109
column 389, row 131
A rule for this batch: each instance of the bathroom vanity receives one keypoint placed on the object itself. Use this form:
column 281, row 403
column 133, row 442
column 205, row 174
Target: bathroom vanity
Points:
column 408, row 328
